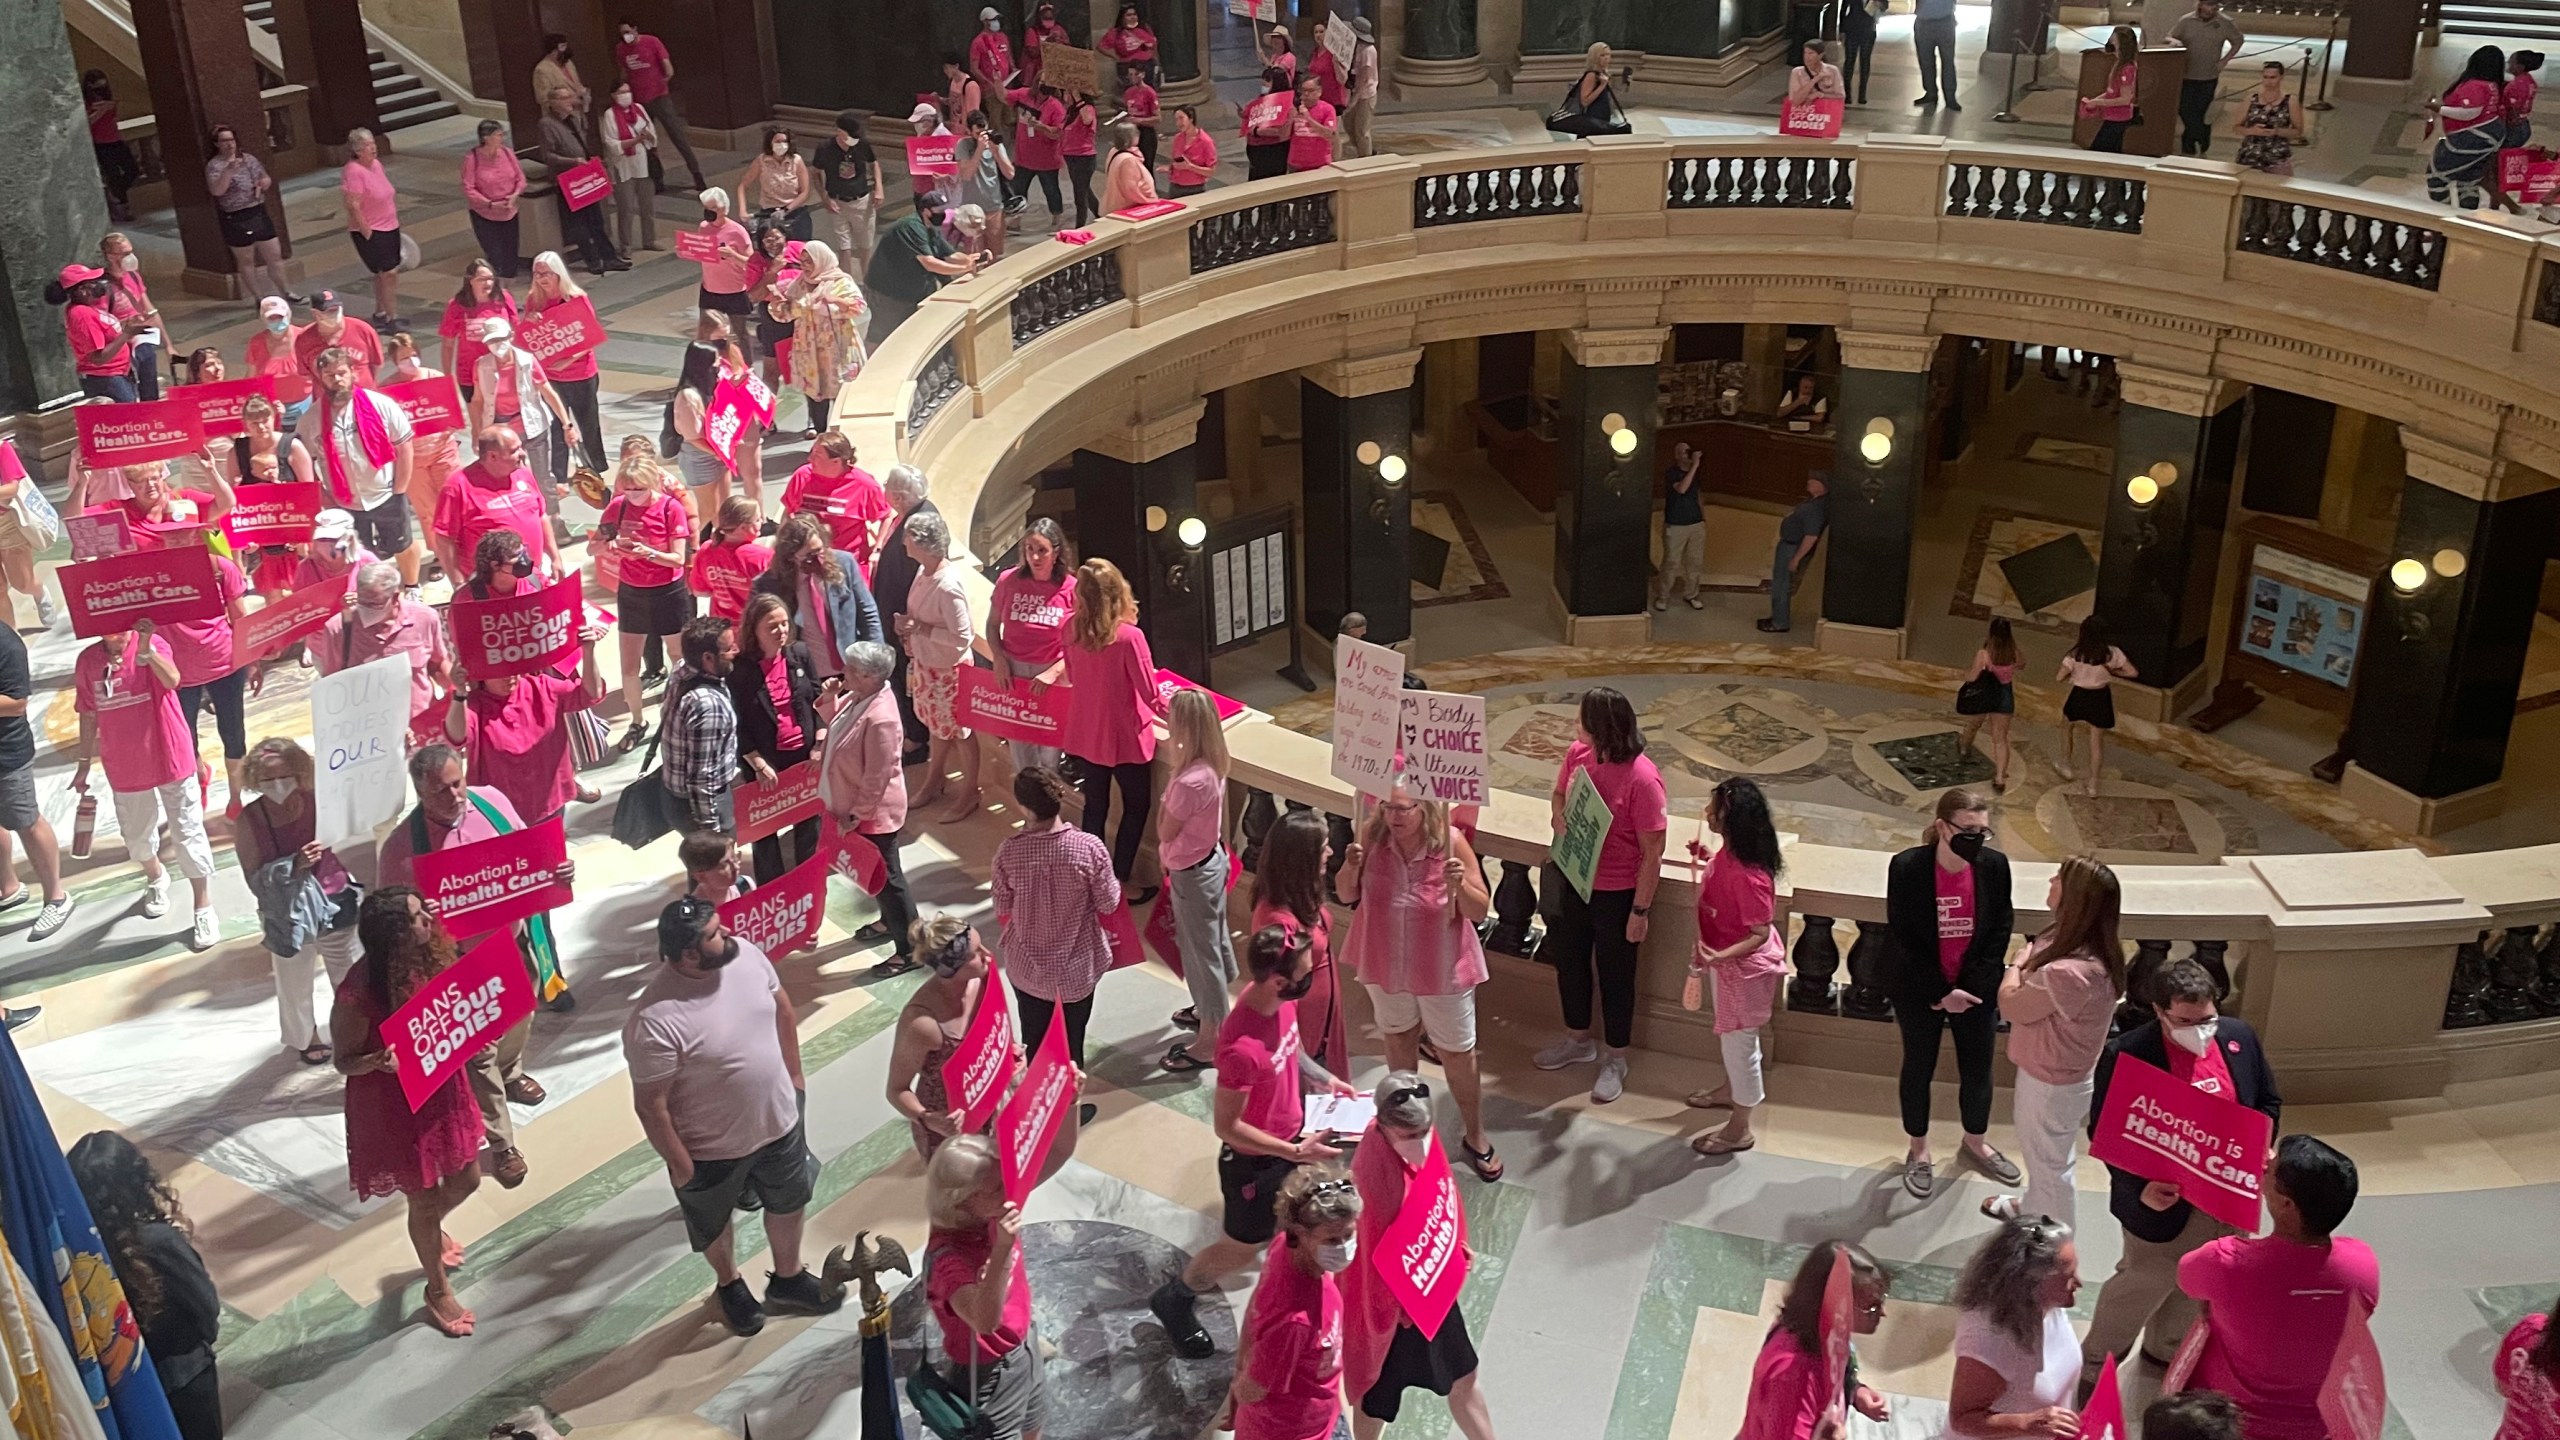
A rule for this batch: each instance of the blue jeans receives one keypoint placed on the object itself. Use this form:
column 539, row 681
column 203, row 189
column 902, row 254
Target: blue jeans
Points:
column 146, row 371
column 1781, row 583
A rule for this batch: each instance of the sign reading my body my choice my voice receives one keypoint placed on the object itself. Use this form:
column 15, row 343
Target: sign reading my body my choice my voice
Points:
column 1444, row 753
column 457, row 1013
column 2161, row 1128
column 1368, row 714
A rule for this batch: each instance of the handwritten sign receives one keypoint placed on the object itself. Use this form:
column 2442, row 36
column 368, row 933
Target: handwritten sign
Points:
column 2351, row 1398
column 1835, row 1325
column 480, row 886
column 563, row 332
column 137, row 434
column 1815, row 119
column 359, row 718
column 107, row 595
column 274, row 514
column 456, row 1014
column 769, row 807
column 975, row 1072
column 1586, row 824
column 2161, row 1128
column 783, row 916
column 1368, row 714
column 1020, row 711
column 1444, row 754
column 265, row 632
column 697, row 245
column 1077, row 72
column 219, row 402
column 584, row 185
column 1339, row 41
column 1167, row 682
column 933, row 154
column 515, row 634
column 1422, row 1254
column 434, row 404
column 1029, row 1122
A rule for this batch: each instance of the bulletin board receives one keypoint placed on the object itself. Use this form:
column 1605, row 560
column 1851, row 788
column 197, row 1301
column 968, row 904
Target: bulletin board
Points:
column 2301, row 613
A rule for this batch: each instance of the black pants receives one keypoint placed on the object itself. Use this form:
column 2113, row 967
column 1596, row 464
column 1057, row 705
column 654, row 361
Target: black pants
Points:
column 1147, row 145
column 1080, row 179
column 1974, row 1032
column 229, row 716
column 817, row 412
column 1857, row 59
column 897, row 912
column 917, row 736
column 1263, row 162
column 1048, row 187
column 1591, row 937
column 2195, row 115
column 585, row 230
column 1035, row 1013
column 498, row 244
column 1137, row 797
column 770, row 862
column 579, row 397
column 197, row 1405
column 2110, row 137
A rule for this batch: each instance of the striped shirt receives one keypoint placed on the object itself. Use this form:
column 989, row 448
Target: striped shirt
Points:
column 1052, row 888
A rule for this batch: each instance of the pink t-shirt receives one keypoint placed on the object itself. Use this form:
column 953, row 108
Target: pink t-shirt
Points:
column 725, row 574
column 1034, row 615
column 461, row 325
column 143, row 740
column 473, row 505
column 2533, row 1402
column 371, row 202
column 852, row 504
column 1195, row 803
column 202, row 648
column 720, row 274
column 2278, row 1312
column 1035, row 150
column 1790, row 1387
column 953, row 1260
column 1077, row 138
column 1309, row 150
column 1111, row 719
column 657, row 521
column 2121, row 83
column 777, row 685
column 1732, row 898
column 518, row 743
column 644, row 64
column 991, row 56
column 1258, row 1054
column 1295, row 1352
column 1955, row 919
column 90, row 329
column 2479, row 99
column 1637, row 806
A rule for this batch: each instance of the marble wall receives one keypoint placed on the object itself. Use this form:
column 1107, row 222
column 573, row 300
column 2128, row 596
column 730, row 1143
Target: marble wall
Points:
column 1440, row 29
column 58, row 208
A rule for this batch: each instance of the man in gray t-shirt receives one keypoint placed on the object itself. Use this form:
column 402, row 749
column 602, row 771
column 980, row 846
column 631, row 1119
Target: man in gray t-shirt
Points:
column 2211, row 38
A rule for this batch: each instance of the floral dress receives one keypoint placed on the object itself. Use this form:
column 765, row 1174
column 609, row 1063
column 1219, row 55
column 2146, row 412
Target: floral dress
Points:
column 2270, row 153
column 826, row 349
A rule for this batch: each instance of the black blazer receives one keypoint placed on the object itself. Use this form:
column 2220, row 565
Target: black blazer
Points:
column 895, row 571
column 1911, row 913
column 757, row 721
column 2250, row 1076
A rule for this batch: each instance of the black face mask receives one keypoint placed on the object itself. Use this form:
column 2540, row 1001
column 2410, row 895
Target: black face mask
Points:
column 1967, row 843
column 520, row 567
column 1297, row 989
column 710, row 214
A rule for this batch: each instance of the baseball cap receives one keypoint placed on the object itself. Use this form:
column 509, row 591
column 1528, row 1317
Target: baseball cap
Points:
column 922, row 113
column 326, row 300
column 276, row 306
column 76, row 273
column 333, row 525
column 987, row 14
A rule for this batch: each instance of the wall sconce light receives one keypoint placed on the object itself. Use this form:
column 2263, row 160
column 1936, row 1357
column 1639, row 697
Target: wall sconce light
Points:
column 2450, row 563
column 2163, row 474
column 1192, row 532
column 1390, row 470
column 1155, row 519
column 2407, row 576
column 2142, row 490
column 1876, row 445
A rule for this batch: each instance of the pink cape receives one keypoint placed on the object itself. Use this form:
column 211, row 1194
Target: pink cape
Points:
column 1370, row 1313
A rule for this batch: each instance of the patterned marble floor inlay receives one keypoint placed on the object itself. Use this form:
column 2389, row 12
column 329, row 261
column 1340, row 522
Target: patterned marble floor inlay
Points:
column 1984, row 584
column 2130, row 822
column 1935, row 762
column 1746, row 732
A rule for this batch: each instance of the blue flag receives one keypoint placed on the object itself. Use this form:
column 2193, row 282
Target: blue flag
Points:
column 54, row 1240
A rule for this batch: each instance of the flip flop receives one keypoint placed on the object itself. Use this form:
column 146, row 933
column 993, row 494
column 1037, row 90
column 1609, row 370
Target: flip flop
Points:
column 1708, row 1100
column 1181, row 1061
column 1487, row 1165
column 315, row 1054
column 1712, row 1145
column 1187, row 1018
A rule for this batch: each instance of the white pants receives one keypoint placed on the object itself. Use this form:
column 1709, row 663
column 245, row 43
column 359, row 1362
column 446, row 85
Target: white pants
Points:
column 2049, row 1119
column 139, row 814
column 296, row 1018
column 1026, row 755
column 1741, row 1050
column 1684, row 557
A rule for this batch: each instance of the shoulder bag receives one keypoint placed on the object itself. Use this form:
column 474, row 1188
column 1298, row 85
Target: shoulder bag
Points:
column 1979, row 695
column 946, row 1409
column 646, row 809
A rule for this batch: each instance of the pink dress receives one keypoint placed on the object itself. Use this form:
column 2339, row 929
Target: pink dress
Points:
column 1407, row 937
column 389, row 1150
column 2533, row 1402
column 1111, row 719
column 1733, row 898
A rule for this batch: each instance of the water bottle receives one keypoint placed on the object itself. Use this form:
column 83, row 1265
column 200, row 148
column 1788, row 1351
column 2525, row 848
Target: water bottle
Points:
column 84, row 827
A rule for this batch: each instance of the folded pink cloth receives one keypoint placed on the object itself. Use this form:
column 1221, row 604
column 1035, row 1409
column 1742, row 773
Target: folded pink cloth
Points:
column 1076, row 237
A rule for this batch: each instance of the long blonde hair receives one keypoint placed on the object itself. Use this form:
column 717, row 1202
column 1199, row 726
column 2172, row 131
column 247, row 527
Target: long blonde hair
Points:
column 550, row 260
column 1196, row 731
column 1103, row 604
column 963, row 1168
column 1435, row 820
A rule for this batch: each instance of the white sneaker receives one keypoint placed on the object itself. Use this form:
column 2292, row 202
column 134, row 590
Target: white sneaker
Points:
column 45, row 613
column 207, row 932
column 155, row 897
column 1612, row 1081
column 1571, row 1050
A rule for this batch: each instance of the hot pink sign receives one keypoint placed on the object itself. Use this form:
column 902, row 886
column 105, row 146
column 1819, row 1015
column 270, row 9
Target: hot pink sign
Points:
column 2103, row 1417
column 264, row 632
column 515, row 634
column 457, row 1013
column 1167, row 682
column 109, row 594
column 134, row 434
column 2182, row 1365
column 724, row 421
column 1160, row 934
column 1837, row 1322
column 276, row 514
column 2352, row 1399
column 2160, row 1128
column 853, row 856
column 769, row 807
column 1148, row 210
column 783, row 916
column 759, row 395
column 491, row 883
column 973, row 1074
column 98, row 532
column 1020, row 711
column 434, row 405
column 1120, row 932
column 584, row 185
column 219, row 402
column 564, row 331
column 1815, row 119
column 1422, row 1254
column 1029, row 1122
column 933, row 154
column 697, row 245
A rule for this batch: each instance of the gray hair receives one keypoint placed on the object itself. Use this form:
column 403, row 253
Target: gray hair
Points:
column 358, row 136
column 716, row 198
column 904, row 480
column 963, row 1168
column 377, row 577
column 2002, row 1279
column 431, row 759
column 870, row 658
column 1404, row 1103
column 925, row 528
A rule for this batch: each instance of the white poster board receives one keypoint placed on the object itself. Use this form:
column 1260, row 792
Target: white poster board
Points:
column 1444, row 754
column 1254, row 9
column 1368, row 714
column 1338, row 42
column 358, row 718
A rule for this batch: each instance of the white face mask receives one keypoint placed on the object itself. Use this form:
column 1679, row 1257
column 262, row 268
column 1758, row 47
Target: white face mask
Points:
column 277, row 791
column 630, row 35
column 1336, row 1257
column 2194, row 1039
column 372, row 614
column 129, row 264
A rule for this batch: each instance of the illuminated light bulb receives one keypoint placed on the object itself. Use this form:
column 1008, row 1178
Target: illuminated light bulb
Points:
column 1881, row 425
column 2142, row 489
column 1391, row 469
column 1191, row 531
column 1875, row 447
column 1623, row 443
column 2408, row 575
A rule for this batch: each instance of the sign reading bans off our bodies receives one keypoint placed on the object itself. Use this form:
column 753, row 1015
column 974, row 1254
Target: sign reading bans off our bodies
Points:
column 457, row 1013
column 516, row 634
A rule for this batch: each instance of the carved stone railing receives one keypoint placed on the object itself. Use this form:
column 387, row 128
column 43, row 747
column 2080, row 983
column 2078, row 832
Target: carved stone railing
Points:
column 1275, row 227
column 936, row 383
column 289, row 150
column 2043, row 196
column 1765, row 182
column 2505, row 979
column 2546, row 292
column 2400, row 249
column 1502, row 192
column 1077, row 289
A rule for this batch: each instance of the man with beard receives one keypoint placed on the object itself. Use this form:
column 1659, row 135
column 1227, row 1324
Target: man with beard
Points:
column 714, row 1050
column 701, row 725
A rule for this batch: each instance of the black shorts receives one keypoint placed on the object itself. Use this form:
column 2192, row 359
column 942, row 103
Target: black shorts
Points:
column 733, row 302
column 2091, row 707
column 781, row 1178
column 1413, row 1363
column 1250, row 1184
column 771, row 332
column 380, row 251
column 652, row 609
column 384, row 529
column 246, row 227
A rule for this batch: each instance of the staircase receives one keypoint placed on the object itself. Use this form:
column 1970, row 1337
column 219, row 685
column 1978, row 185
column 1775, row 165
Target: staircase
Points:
column 402, row 98
column 2508, row 19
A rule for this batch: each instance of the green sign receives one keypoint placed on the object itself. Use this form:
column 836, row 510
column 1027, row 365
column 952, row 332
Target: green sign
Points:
column 1576, row 850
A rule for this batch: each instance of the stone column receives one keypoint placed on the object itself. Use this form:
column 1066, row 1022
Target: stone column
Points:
column 1358, row 524
column 1866, row 579
column 727, row 71
column 1134, row 487
column 504, row 41
column 2166, row 505
column 1604, row 501
column 2442, row 659
column 325, row 48
column 2382, row 48
column 1440, row 50
column 57, row 210
column 202, row 74
column 1182, row 48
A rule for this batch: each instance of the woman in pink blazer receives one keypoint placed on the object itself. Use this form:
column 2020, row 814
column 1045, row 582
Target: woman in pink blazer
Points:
column 1111, row 719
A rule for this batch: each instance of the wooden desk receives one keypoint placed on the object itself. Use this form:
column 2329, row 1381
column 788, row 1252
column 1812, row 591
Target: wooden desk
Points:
column 1512, row 444
column 1748, row 459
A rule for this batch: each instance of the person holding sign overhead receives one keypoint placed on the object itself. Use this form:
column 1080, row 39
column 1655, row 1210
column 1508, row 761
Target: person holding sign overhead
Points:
column 1384, row 1353
column 2191, row 1038
column 930, row 1028
column 515, row 729
column 125, row 691
column 1946, row 900
column 427, row 1155
column 2014, row 1347
column 1791, row 1387
column 1288, row 1383
column 1601, row 914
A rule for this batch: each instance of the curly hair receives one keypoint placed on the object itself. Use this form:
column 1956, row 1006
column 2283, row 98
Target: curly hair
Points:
column 1315, row 1196
column 395, row 962
column 125, row 1194
column 2004, row 1279
column 791, row 539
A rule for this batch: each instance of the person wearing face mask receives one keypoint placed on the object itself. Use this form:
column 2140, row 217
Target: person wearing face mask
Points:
column 700, row 725
column 1791, row 1382
column 714, row 1049
column 991, row 61
column 781, row 181
column 647, row 68
column 128, row 298
column 861, row 784
column 382, row 619
column 2190, row 1037
column 270, row 352
column 101, row 342
column 284, row 864
column 957, row 965
column 1288, row 1383
column 1259, row 1112
column 495, row 492
column 511, row 389
column 724, row 275
column 1383, row 1353
column 1947, row 904
column 557, row 70
column 631, row 157
column 568, row 140
column 849, row 180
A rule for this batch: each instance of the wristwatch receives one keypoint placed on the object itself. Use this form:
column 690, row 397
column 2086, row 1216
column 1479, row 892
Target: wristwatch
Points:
column 1641, row 909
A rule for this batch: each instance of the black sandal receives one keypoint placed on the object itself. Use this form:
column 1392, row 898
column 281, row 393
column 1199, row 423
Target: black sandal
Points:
column 893, row 967
column 1181, row 1061
column 1487, row 1165
column 1187, row 1018
column 873, row 933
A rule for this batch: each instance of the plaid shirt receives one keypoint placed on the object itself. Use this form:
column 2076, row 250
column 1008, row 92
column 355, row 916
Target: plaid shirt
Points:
column 1052, row 888
column 701, row 729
